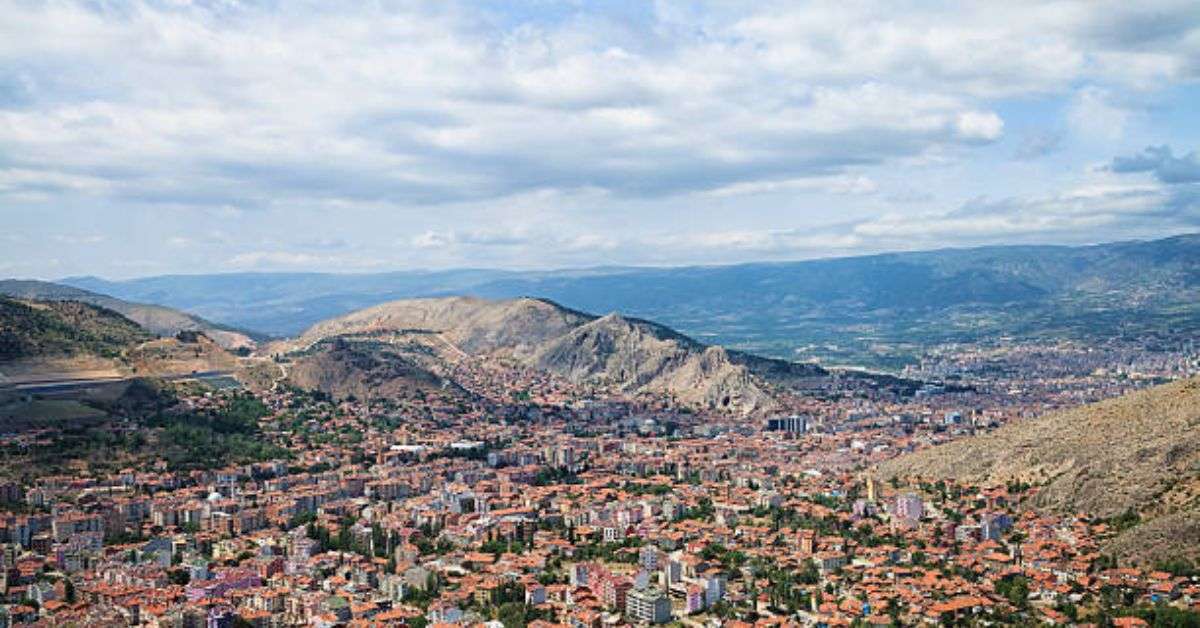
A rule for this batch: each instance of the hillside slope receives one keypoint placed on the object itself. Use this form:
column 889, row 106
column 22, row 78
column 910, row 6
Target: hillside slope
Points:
column 636, row 356
column 30, row 329
column 1139, row 452
column 473, row 325
column 45, row 341
column 343, row 369
column 629, row 355
column 156, row 319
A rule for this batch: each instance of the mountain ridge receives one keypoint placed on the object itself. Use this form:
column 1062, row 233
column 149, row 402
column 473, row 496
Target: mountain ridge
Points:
column 875, row 310
column 62, row 340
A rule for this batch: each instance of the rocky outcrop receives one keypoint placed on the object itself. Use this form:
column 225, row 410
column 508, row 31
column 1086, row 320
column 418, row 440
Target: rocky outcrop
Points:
column 638, row 356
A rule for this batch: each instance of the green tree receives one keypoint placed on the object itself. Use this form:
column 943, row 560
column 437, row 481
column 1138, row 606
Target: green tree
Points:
column 512, row 615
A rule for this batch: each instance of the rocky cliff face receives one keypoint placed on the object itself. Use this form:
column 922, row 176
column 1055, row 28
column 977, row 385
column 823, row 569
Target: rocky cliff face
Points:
column 1139, row 452
column 636, row 355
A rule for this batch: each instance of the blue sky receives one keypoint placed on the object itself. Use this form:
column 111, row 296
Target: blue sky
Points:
column 141, row 138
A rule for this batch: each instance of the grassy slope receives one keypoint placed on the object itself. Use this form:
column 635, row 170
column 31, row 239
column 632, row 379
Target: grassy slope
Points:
column 156, row 319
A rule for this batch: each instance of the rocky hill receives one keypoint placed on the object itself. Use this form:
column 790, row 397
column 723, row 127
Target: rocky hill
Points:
column 629, row 355
column 344, row 369
column 156, row 319
column 517, row 326
column 1138, row 453
column 639, row 356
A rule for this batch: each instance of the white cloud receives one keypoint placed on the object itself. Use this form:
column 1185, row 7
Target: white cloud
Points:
column 1070, row 214
column 242, row 106
column 1093, row 115
column 512, row 238
column 433, row 240
column 292, row 259
column 979, row 125
column 273, row 258
column 839, row 184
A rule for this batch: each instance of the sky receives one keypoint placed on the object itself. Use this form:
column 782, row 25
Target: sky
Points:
column 146, row 138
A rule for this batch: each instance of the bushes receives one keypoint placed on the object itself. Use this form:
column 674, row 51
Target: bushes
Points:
column 198, row 440
column 1125, row 520
column 1015, row 589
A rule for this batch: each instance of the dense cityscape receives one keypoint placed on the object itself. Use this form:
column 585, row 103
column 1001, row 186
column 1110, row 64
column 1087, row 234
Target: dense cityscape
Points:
column 544, row 505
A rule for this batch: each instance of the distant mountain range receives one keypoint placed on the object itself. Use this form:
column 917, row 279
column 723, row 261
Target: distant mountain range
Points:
column 1134, row 457
column 874, row 310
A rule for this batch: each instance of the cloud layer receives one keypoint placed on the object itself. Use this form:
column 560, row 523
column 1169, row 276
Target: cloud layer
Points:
column 412, row 133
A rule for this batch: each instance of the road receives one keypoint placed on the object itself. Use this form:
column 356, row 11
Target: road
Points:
column 50, row 386
column 462, row 355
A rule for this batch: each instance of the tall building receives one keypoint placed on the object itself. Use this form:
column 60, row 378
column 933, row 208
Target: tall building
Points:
column 808, row 542
column 648, row 606
column 909, row 507
column 578, row 574
column 794, row 424
column 714, row 588
column 694, row 600
column 648, row 557
column 993, row 525
column 673, row 572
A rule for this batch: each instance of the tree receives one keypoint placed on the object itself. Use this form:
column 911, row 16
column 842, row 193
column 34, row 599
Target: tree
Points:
column 512, row 614
column 179, row 576
column 1015, row 589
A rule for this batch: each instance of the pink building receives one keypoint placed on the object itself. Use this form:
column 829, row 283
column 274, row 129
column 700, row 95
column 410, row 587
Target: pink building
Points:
column 695, row 599
column 222, row 583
